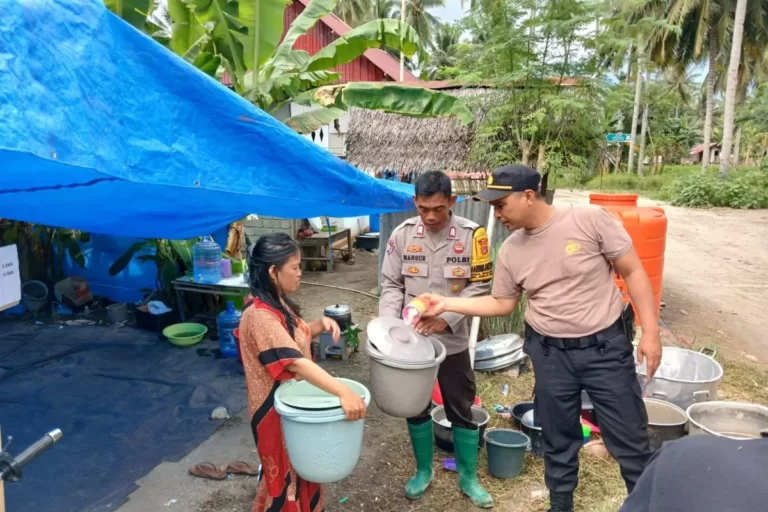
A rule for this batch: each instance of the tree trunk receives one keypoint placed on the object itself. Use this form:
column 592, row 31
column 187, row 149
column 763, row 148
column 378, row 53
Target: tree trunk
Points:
column 526, row 149
column 749, row 150
column 711, row 77
column 643, row 129
column 737, row 147
column 635, row 115
column 629, row 65
column 733, row 83
column 540, row 159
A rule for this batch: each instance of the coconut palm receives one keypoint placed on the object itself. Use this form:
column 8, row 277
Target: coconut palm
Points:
column 732, row 86
column 425, row 24
column 444, row 53
column 354, row 12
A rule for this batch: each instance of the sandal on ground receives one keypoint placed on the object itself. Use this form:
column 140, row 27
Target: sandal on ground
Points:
column 208, row 470
column 242, row 468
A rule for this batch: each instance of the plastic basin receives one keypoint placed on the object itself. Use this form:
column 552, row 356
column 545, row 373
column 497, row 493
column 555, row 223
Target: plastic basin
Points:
column 506, row 452
column 185, row 335
column 34, row 294
column 402, row 390
column 322, row 445
column 444, row 433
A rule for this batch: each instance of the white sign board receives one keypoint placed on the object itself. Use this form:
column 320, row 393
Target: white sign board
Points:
column 10, row 277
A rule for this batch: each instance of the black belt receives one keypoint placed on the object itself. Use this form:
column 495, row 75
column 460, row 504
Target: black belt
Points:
column 576, row 343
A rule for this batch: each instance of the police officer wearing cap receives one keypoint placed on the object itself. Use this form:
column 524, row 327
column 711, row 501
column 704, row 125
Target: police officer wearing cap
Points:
column 578, row 332
column 443, row 253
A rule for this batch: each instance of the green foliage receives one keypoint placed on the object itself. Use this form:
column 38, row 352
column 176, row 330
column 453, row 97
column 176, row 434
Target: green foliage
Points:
column 745, row 189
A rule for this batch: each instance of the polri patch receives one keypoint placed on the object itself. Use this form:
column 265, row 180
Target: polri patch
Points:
column 413, row 270
column 459, row 272
column 390, row 246
column 458, row 247
column 414, row 248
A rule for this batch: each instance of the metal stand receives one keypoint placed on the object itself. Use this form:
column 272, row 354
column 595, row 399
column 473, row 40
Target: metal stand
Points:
column 10, row 466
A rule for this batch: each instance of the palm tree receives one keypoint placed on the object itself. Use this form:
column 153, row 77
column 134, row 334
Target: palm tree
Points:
column 382, row 9
column 354, row 12
column 425, row 24
column 732, row 86
column 443, row 55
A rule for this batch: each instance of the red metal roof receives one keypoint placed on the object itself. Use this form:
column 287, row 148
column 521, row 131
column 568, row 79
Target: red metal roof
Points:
column 700, row 148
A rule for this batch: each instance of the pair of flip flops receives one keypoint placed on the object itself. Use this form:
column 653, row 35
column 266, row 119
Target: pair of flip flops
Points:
column 208, row 470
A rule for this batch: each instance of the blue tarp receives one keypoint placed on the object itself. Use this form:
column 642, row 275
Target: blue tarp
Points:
column 105, row 130
column 125, row 400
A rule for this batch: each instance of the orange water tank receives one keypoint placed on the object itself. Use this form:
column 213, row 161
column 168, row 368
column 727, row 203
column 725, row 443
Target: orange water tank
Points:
column 647, row 226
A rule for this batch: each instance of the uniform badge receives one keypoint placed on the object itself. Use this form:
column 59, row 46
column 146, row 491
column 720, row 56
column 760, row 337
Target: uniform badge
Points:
column 390, row 246
column 456, row 288
column 572, row 248
column 413, row 270
column 459, row 272
column 458, row 248
column 452, row 232
column 414, row 248
column 420, row 230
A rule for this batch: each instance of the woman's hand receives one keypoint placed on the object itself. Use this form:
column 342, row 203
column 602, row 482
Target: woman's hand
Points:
column 435, row 304
column 353, row 405
column 330, row 325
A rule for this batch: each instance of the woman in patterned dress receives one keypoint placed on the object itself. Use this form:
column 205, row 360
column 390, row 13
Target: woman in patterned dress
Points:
column 275, row 346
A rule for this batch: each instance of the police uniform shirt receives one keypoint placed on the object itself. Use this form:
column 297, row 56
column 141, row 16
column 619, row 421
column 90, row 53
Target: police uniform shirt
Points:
column 456, row 262
column 564, row 269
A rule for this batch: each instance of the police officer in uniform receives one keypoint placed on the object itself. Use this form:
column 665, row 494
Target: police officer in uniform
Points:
column 442, row 253
column 578, row 333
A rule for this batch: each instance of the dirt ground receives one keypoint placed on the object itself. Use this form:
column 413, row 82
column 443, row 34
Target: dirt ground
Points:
column 716, row 278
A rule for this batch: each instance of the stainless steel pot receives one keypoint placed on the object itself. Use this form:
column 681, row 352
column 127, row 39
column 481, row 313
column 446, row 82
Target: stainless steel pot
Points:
column 444, row 433
column 666, row 422
column 683, row 378
column 341, row 313
column 735, row 420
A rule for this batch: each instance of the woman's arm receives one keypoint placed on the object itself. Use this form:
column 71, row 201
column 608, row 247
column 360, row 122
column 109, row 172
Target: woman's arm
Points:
column 324, row 324
column 351, row 402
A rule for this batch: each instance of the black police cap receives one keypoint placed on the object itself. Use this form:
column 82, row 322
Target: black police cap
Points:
column 510, row 178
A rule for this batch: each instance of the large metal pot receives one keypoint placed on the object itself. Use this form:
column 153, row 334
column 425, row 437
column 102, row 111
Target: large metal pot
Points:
column 666, row 422
column 341, row 313
column 443, row 430
column 735, row 420
column 683, row 378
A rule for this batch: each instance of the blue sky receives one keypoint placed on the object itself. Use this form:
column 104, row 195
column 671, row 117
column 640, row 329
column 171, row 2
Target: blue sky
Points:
column 451, row 12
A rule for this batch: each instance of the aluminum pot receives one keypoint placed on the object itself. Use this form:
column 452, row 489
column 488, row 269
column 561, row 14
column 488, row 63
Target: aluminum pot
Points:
column 442, row 427
column 400, row 389
column 341, row 313
column 734, row 420
column 666, row 422
column 683, row 378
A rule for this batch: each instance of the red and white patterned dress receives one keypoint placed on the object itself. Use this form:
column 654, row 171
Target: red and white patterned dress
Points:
column 267, row 350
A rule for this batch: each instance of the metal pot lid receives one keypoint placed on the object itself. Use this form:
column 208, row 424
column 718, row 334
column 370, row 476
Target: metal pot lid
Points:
column 497, row 346
column 529, row 421
column 499, row 363
column 338, row 310
column 394, row 339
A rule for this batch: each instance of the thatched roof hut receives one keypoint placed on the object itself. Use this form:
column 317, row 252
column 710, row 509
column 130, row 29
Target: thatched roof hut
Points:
column 378, row 141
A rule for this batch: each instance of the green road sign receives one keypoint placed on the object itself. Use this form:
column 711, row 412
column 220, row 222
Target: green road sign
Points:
column 618, row 137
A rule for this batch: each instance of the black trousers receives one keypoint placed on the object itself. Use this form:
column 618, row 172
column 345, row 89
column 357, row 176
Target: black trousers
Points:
column 607, row 373
column 457, row 385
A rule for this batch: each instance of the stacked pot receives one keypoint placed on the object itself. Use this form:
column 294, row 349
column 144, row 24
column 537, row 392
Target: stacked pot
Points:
column 498, row 352
column 403, row 365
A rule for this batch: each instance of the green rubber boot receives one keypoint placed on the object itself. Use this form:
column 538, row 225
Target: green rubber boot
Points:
column 422, row 443
column 465, row 444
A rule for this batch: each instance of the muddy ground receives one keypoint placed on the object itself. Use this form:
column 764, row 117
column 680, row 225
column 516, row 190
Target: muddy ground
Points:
column 716, row 286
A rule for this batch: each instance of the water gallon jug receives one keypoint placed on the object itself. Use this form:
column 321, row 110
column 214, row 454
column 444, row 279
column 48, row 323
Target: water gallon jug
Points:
column 647, row 226
column 228, row 321
column 206, row 261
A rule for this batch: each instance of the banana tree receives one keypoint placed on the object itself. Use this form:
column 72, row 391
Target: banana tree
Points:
column 243, row 37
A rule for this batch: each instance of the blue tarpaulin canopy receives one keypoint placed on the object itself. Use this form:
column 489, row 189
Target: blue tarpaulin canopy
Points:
column 102, row 129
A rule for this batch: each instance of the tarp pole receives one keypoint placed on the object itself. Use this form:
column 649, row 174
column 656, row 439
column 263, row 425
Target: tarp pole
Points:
column 2, row 488
column 475, row 328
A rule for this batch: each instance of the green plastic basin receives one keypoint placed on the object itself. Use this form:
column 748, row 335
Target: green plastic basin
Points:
column 185, row 335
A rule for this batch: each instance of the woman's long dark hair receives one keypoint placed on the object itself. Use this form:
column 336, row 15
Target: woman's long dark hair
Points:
column 273, row 249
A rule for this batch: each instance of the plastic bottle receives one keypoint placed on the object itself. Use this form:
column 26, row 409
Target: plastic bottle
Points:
column 228, row 321
column 206, row 261
column 413, row 311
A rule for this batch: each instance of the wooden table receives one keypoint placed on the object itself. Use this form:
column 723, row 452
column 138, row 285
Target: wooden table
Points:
column 234, row 286
column 326, row 240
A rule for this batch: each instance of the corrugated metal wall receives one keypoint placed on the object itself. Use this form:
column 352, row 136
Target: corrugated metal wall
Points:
column 318, row 37
column 476, row 211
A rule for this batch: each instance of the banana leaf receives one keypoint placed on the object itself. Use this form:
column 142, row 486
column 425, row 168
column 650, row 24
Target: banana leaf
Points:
column 134, row 12
column 300, row 26
column 308, row 122
column 264, row 21
column 123, row 261
column 221, row 18
column 377, row 33
column 187, row 34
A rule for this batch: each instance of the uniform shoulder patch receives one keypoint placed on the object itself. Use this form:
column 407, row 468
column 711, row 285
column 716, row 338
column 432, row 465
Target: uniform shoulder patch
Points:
column 390, row 246
column 481, row 263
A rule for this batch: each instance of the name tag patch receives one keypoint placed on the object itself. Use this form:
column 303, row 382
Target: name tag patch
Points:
column 415, row 257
